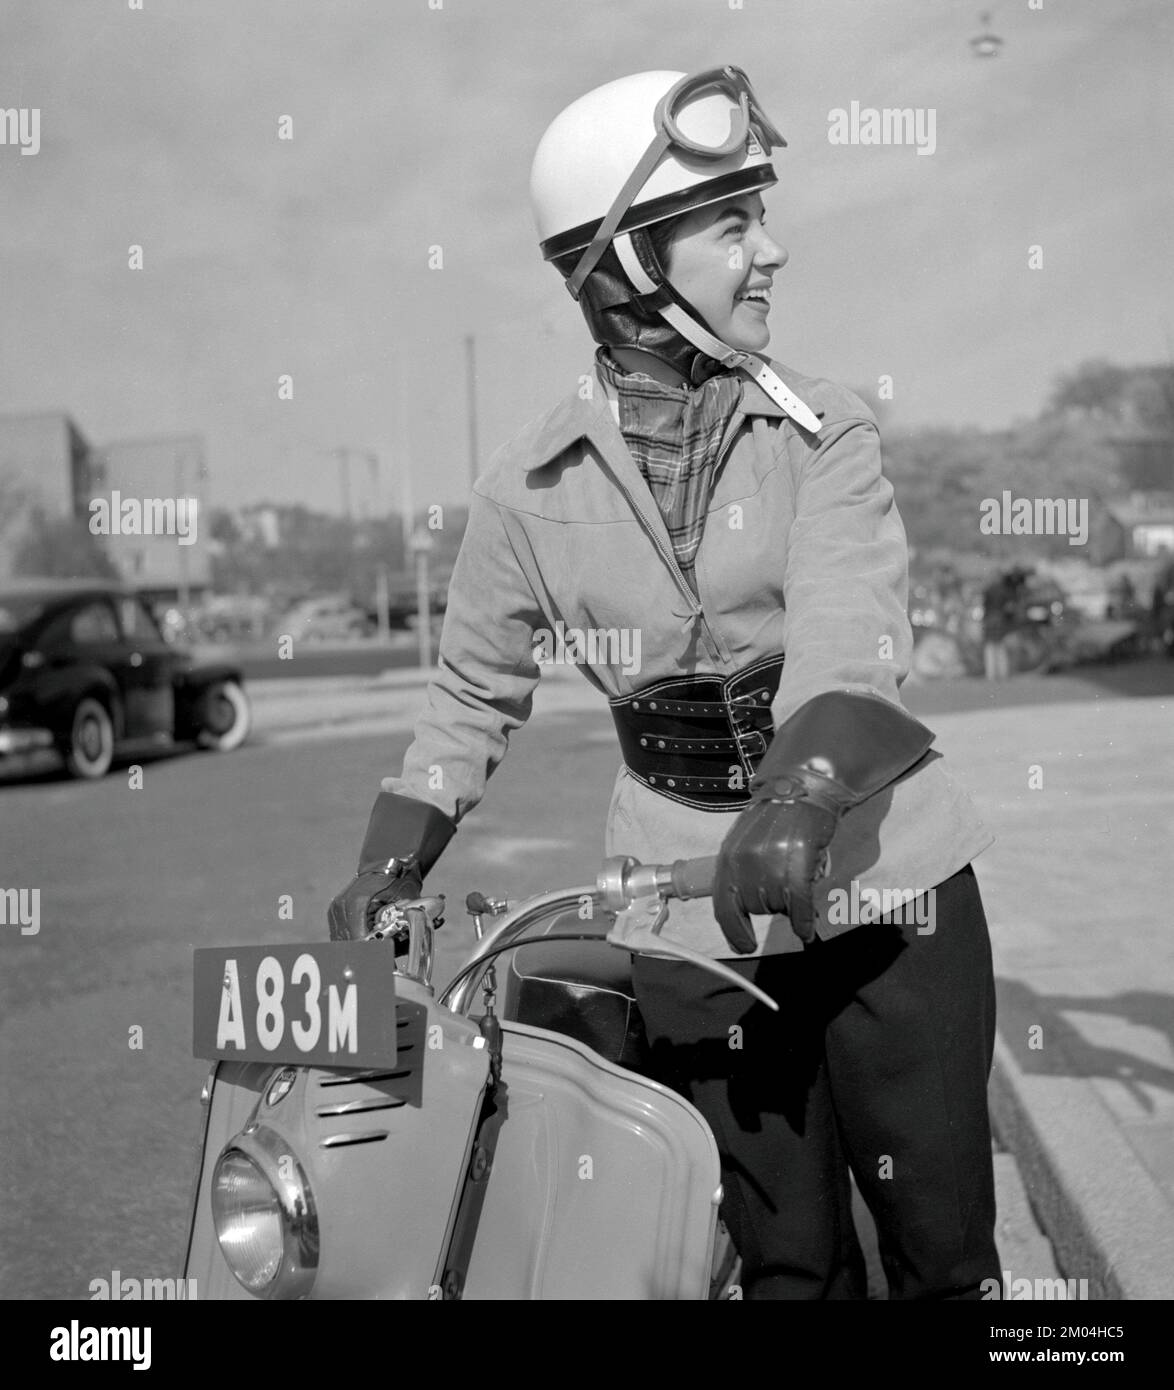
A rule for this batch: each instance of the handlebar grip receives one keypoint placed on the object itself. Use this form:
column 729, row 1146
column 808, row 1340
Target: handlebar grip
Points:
column 693, row 878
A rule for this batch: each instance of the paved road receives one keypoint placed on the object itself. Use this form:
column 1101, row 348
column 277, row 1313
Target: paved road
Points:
column 1153, row 676
column 97, row 1156
column 97, row 1148
column 323, row 659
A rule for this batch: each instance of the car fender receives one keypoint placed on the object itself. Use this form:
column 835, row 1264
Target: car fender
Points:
column 199, row 678
column 57, row 693
column 190, row 686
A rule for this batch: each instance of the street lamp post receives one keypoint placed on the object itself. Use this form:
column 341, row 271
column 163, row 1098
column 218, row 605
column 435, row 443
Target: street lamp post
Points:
column 382, row 598
column 422, row 544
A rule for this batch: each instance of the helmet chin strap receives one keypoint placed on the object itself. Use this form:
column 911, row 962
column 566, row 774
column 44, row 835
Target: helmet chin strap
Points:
column 755, row 368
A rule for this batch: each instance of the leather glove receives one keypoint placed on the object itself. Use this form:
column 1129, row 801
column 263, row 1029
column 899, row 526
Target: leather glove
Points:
column 405, row 837
column 834, row 752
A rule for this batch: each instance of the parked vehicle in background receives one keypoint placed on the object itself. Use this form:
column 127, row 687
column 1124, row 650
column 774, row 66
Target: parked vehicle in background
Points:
column 403, row 601
column 230, row 618
column 85, row 669
column 326, row 618
column 1162, row 608
column 1041, row 602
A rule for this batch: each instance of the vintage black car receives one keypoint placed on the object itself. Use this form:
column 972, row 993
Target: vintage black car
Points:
column 85, row 669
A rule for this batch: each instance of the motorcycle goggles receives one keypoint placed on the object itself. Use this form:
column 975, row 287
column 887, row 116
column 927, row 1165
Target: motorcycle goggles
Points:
column 748, row 123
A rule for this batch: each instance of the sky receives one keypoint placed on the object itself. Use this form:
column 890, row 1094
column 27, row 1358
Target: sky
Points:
column 414, row 123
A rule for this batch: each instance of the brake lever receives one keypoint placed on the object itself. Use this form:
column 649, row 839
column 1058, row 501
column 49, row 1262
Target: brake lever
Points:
column 637, row 928
column 394, row 916
column 394, row 920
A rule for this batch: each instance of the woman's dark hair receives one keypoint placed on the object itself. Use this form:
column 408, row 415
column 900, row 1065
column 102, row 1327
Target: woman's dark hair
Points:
column 661, row 234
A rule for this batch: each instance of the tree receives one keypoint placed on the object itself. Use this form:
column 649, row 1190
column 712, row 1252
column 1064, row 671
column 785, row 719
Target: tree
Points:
column 1097, row 387
column 1151, row 394
column 223, row 527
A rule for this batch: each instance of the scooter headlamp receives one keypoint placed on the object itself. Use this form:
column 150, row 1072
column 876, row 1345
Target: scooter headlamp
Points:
column 265, row 1218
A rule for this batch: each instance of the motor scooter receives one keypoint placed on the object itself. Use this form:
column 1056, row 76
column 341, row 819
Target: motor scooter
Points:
column 363, row 1137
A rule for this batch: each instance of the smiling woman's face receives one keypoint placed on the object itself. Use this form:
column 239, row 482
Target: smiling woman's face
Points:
column 722, row 260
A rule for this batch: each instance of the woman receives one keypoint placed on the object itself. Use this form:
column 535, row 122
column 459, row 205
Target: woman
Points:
column 733, row 513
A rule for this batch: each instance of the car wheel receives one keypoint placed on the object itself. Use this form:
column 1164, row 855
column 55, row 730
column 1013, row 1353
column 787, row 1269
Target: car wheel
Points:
column 226, row 717
column 90, row 748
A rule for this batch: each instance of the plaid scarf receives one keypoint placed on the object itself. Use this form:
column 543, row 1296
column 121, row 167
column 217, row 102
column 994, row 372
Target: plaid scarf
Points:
column 675, row 435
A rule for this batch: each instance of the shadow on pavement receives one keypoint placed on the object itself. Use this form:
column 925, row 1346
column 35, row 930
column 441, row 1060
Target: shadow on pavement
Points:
column 1063, row 1050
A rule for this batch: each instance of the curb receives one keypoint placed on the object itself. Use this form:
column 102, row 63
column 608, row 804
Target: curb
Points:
column 264, row 688
column 273, row 695
column 1108, row 1220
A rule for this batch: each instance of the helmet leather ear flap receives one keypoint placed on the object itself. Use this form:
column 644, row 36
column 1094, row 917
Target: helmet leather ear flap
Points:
column 645, row 249
column 619, row 316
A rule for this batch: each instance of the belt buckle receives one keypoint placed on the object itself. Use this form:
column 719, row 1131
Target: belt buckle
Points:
column 742, row 734
column 743, row 709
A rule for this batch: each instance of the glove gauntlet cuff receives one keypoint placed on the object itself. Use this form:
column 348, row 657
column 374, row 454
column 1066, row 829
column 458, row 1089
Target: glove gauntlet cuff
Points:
column 790, row 787
column 404, row 836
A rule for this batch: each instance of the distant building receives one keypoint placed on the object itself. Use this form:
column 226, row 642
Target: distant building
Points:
column 154, row 475
column 1139, row 526
column 46, row 464
column 48, row 459
column 259, row 524
column 161, row 549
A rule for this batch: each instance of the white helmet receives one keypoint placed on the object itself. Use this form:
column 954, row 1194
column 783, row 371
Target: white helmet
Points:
column 635, row 152
column 661, row 139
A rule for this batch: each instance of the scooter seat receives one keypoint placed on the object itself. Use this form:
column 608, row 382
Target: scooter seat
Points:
column 580, row 988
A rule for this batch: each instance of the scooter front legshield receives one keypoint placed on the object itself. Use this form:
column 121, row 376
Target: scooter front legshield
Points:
column 384, row 1156
column 604, row 1184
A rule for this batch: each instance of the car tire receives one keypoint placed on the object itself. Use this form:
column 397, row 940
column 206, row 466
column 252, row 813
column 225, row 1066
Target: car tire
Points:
column 89, row 748
column 226, row 706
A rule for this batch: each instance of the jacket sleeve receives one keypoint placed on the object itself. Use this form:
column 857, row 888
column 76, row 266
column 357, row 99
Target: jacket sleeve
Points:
column 846, row 584
column 483, row 688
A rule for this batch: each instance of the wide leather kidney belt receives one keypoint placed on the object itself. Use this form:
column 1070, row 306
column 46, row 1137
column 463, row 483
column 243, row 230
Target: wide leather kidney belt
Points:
column 699, row 739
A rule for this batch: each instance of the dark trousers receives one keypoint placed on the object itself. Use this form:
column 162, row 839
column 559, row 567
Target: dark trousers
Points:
column 878, row 1060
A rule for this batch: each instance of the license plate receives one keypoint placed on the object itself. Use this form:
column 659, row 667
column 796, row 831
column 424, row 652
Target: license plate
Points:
column 330, row 1003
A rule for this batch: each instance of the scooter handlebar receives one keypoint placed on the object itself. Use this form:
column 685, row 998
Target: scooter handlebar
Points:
column 625, row 887
column 693, row 878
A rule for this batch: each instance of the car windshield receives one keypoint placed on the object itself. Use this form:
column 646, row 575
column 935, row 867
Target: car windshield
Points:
column 16, row 611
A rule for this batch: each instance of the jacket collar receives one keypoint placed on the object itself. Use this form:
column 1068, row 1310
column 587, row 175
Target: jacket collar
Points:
column 575, row 418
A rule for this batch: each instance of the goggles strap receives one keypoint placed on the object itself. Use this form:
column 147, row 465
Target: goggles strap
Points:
column 756, row 369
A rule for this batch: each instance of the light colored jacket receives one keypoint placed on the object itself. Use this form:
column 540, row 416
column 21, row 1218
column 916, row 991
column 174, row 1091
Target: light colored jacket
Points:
column 803, row 553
